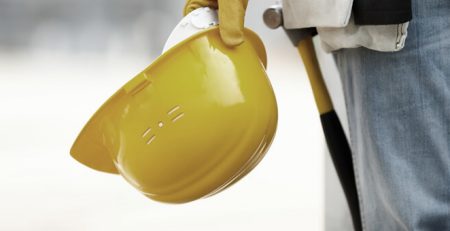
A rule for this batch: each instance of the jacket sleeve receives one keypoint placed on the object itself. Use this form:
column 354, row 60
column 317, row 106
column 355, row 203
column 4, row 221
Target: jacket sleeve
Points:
column 381, row 12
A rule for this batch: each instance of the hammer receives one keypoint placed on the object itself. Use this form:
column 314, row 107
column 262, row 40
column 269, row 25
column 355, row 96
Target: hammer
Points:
column 336, row 140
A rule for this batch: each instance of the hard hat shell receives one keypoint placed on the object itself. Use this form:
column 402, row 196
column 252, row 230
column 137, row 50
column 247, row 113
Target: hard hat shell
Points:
column 191, row 124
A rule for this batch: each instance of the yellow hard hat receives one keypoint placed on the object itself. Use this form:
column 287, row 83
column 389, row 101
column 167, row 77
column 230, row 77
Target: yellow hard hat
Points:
column 191, row 124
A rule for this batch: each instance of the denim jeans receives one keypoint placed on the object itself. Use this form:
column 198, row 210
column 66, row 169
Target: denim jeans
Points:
column 398, row 107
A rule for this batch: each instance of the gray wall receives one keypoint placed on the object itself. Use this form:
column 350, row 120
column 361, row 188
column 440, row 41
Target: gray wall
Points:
column 85, row 25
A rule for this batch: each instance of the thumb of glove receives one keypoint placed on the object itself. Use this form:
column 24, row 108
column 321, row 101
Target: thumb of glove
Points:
column 231, row 21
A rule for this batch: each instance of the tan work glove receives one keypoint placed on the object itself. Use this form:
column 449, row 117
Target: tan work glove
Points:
column 231, row 17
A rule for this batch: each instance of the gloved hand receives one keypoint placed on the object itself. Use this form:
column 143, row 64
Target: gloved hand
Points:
column 231, row 17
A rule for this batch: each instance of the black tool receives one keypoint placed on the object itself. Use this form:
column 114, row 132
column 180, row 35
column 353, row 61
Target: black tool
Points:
column 337, row 143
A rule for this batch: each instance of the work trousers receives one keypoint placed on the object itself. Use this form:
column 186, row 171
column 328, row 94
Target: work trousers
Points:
column 398, row 106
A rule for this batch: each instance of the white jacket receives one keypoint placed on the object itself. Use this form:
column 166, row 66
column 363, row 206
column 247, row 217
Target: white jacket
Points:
column 334, row 23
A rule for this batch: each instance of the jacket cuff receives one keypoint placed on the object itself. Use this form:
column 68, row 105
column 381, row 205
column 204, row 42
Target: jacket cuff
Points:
column 382, row 17
column 381, row 12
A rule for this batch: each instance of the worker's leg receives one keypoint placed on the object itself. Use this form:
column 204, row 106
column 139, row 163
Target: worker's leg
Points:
column 399, row 115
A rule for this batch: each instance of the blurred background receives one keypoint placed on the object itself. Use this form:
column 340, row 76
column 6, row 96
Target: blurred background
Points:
column 61, row 59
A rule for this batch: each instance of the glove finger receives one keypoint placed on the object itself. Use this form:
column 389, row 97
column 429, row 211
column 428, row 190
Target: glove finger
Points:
column 231, row 21
column 195, row 4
